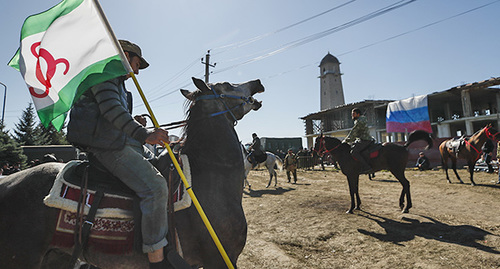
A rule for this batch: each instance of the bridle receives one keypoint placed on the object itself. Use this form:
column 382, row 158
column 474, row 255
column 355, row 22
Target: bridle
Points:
column 221, row 97
column 214, row 96
column 322, row 147
column 489, row 135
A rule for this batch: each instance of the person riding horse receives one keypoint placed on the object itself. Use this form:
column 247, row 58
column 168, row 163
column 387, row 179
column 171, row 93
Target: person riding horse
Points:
column 101, row 123
column 255, row 150
column 360, row 138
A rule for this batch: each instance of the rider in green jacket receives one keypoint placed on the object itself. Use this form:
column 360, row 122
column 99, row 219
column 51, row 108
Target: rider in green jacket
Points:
column 360, row 138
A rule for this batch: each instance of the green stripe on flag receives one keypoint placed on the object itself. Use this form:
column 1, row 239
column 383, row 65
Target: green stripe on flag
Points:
column 40, row 22
column 92, row 75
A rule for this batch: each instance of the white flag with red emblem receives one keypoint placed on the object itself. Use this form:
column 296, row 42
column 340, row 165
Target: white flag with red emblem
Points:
column 63, row 52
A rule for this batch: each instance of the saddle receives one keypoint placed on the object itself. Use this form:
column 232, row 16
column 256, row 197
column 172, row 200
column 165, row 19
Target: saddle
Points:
column 371, row 151
column 102, row 212
column 455, row 144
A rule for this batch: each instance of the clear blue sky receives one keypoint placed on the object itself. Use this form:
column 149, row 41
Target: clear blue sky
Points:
column 376, row 60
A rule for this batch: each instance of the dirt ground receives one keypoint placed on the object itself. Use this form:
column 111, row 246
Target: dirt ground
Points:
column 304, row 225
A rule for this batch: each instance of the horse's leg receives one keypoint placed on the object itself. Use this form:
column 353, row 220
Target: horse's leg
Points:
column 246, row 183
column 356, row 192
column 444, row 162
column 247, row 170
column 351, row 180
column 275, row 178
column 400, row 175
column 270, row 177
column 471, row 165
column 454, row 167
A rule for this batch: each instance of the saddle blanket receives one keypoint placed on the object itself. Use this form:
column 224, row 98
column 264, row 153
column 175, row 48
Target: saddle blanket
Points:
column 110, row 236
column 113, row 229
column 64, row 195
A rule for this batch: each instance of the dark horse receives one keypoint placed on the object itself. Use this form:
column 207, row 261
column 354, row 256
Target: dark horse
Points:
column 468, row 149
column 217, row 173
column 392, row 157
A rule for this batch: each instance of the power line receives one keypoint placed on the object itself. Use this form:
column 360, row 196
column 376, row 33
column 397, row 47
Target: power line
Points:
column 173, row 78
column 392, row 37
column 310, row 38
column 419, row 28
column 254, row 39
column 322, row 34
column 373, row 14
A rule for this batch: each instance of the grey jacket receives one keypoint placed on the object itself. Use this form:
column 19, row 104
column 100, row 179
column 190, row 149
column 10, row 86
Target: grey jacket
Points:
column 102, row 118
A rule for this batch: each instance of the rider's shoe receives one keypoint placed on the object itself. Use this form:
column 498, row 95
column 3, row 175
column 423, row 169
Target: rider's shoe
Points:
column 172, row 261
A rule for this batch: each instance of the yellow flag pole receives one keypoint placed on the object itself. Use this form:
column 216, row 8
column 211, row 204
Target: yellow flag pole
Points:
column 186, row 184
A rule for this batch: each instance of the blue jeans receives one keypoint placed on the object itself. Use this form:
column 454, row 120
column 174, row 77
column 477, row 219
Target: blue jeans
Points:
column 130, row 164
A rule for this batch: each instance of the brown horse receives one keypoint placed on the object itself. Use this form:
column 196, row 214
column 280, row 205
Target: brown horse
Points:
column 392, row 157
column 465, row 148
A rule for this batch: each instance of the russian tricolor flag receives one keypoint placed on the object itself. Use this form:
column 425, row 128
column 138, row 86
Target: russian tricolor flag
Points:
column 408, row 115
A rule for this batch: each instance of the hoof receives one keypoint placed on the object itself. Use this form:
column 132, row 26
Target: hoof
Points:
column 349, row 211
column 267, row 186
column 405, row 211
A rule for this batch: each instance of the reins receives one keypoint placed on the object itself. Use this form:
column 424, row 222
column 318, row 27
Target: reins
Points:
column 323, row 148
column 215, row 96
column 488, row 135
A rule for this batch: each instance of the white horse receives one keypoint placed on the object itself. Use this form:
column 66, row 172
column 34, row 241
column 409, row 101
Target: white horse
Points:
column 270, row 162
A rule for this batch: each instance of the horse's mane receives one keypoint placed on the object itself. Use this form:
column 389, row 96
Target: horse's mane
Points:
column 342, row 145
column 198, row 125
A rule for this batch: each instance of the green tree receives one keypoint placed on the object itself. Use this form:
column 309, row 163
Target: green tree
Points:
column 10, row 150
column 51, row 135
column 26, row 133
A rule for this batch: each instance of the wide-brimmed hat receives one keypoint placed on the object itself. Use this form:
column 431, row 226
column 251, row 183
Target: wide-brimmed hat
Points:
column 131, row 47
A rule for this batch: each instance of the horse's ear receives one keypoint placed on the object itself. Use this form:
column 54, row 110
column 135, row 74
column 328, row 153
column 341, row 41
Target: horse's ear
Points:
column 200, row 84
column 187, row 94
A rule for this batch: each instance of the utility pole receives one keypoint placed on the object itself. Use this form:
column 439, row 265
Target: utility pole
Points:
column 207, row 65
column 4, row 97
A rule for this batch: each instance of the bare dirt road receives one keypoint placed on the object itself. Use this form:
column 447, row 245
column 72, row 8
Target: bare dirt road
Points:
column 304, row 225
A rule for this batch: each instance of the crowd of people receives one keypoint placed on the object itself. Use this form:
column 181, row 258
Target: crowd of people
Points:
column 9, row 168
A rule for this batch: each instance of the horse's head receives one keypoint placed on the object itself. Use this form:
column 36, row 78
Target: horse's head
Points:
column 229, row 100
column 325, row 144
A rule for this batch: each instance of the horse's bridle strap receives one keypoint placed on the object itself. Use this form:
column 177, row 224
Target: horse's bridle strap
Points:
column 215, row 96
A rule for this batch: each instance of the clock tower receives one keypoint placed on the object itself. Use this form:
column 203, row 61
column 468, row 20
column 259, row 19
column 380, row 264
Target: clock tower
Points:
column 331, row 91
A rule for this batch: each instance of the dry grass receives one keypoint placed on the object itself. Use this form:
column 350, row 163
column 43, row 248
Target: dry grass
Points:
column 304, row 225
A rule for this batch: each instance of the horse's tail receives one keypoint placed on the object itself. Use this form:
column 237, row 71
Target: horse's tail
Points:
column 279, row 162
column 420, row 135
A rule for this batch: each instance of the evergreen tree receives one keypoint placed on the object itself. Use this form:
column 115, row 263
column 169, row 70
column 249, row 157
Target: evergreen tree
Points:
column 10, row 150
column 26, row 132
column 51, row 136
